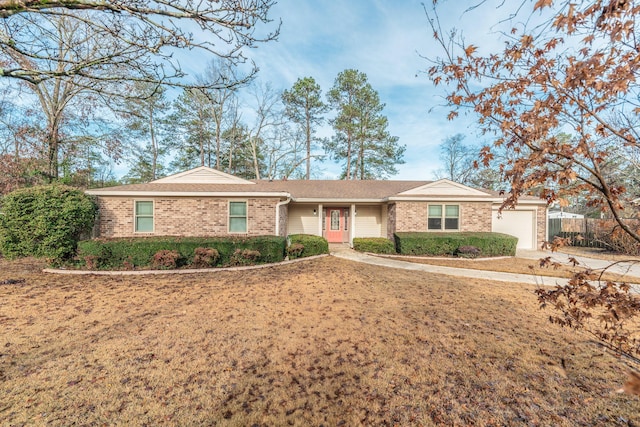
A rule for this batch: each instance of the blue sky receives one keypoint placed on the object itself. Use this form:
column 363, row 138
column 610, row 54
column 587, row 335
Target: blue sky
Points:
column 385, row 40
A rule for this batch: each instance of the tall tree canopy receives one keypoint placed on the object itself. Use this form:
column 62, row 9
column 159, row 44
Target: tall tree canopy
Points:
column 361, row 138
column 457, row 159
column 75, row 56
column 304, row 106
column 566, row 67
column 143, row 35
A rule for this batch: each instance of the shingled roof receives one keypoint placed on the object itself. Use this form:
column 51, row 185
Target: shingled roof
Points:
column 211, row 183
column 296, row 189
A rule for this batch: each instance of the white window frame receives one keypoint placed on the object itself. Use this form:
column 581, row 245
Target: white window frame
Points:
column 135, row 216
column 246, row 216
column 443, row 217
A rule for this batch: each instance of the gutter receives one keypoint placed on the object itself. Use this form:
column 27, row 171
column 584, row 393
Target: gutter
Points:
column 281, row 203
column 185, row 194
column 325, row 200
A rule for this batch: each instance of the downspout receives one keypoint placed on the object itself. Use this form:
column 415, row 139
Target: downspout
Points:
column 281, row 203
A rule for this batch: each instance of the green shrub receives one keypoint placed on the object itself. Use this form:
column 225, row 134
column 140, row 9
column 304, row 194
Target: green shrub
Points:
column 138, row 252
column 439, row 244
column 311, row 245
column 45, row 221
column 376, row 245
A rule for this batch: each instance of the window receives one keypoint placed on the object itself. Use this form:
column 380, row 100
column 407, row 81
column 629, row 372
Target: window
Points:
column 324, row 219
column 335, row 220
column 346, row 220
column 435, row 217
column 443, row 215
column 144, row 217
column 237, row 217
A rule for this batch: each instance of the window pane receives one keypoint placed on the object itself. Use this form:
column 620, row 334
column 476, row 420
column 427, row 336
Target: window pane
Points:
column 335, row 220
column 324, row 219
column 346, row 220
column 435, row 223
column 144, row 224
column 238, row 225
column 451, row 223
column 435, row 210
column 238, row 208
column 451, row 211
column 144, row 208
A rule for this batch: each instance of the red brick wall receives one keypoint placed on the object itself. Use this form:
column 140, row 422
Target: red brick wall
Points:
column 412, row 216
column 184, row 216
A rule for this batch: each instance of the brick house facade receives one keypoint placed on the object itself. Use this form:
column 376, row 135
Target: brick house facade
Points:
column 183, row 216
column 206, row 202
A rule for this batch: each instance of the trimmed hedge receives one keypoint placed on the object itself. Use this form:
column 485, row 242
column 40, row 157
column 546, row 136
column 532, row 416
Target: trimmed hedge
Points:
column 438, row 244
column 139, row 252
column 45, row 221
column 311, row 245
column 376, row 245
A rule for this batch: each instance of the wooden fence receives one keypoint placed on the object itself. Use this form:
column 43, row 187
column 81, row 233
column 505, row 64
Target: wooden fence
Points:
column 589, row 232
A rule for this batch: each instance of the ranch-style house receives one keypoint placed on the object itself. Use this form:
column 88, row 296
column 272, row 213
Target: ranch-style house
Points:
column 208, row 202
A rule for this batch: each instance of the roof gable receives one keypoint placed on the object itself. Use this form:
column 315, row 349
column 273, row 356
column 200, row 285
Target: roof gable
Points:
column 201, row 175
column 443, row 187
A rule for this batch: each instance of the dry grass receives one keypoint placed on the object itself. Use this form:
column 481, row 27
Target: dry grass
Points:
column 597, row 253
column 323, row 342
column 515, row 265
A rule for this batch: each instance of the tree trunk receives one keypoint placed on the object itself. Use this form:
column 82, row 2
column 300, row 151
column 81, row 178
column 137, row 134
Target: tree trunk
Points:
column 154, row 148
column 254, row 150
column 54, row 145
column 348, row 175
column 308, row 146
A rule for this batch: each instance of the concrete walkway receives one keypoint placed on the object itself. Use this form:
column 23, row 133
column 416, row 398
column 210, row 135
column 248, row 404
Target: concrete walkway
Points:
column 630, row 268
column 350, row 254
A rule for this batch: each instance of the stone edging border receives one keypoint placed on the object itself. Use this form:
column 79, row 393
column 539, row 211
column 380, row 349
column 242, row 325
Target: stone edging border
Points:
column 177, row 271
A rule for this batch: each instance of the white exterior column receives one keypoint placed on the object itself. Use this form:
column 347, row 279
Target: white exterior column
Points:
column 352, row 228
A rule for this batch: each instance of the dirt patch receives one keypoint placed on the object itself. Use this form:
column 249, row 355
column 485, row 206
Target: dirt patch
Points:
column 323, row 342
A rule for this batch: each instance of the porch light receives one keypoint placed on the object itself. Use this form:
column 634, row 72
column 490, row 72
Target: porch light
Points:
column 315, row 212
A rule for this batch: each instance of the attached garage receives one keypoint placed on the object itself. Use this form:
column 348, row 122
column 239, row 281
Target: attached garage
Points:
column 520, row 223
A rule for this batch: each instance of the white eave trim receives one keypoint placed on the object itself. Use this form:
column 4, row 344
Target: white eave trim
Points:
column 185, row 194
column 539, row 202
column 443, row 198
column 457, row 199
column 343, row 201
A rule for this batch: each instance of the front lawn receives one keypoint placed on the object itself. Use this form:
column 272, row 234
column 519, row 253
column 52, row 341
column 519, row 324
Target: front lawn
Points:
column 321, row 342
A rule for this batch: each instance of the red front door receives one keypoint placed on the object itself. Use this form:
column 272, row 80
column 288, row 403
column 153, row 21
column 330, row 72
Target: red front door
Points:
column 335, row 225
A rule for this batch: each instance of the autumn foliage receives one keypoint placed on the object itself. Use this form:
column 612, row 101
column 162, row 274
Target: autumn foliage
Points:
column 562, row 98
column 561, row 95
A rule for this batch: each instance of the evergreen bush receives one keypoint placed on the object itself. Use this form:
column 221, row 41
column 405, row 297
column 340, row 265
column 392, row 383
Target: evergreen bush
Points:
column 311, row 245
column 45, row 221
column 441, row 244
column 376, row 245
column 138, row 252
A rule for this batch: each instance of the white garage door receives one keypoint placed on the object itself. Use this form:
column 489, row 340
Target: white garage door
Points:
column 516, row 223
